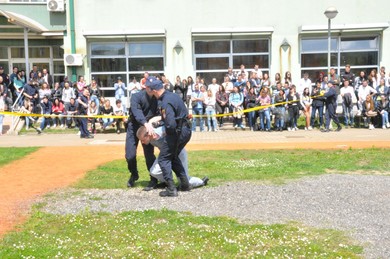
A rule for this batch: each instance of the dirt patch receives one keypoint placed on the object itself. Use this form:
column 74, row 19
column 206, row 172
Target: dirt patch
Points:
column 43, row 171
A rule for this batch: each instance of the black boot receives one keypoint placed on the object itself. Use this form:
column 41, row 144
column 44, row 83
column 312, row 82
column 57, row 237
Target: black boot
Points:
column 338, row 127
column 184, row 184
column 170, row 191
column 134, row 177
column 152, row 184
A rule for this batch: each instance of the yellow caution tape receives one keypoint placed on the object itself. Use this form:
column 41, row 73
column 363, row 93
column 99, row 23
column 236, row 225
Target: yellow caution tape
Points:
column 62, row 115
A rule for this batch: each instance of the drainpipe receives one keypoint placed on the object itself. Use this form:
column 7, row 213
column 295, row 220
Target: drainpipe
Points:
column 72, row 37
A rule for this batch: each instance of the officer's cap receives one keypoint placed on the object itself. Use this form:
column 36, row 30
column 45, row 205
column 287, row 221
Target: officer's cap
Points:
column 153, row 83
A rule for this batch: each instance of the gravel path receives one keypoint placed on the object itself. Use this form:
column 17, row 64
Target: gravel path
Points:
column 357, row 204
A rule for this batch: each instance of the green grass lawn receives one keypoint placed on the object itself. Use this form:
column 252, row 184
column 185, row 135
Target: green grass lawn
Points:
column 9, row 154
column 168, row 234
column 274, row 166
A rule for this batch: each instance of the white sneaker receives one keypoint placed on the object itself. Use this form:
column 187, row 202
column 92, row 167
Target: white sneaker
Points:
column 48, row 127
column 78, row 133
column 388, row 125
column 289, row 129
column 310, row 128
column 371, row 127
column 54, row 125
column 296, row 129
column 62, row 125
column 384, row 127
column 306, row 128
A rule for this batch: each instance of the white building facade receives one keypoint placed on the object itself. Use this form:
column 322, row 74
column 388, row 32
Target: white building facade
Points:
column 190, row 38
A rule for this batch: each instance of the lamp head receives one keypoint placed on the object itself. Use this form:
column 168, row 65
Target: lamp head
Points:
column 331, row 12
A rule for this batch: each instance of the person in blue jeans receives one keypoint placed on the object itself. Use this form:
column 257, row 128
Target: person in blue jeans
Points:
column 264, row 113
column 197, row 99
column 317, row 105
column 209, row 101
column 46, row 110
column 251, row 100
column 280, row 110
column 107, row 109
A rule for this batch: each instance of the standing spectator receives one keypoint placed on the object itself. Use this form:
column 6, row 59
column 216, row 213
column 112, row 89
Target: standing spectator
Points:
column 134, row 86
column 320, row 77
column 190, row 89
column 179, row 88
column 93, row 110
column 240, row 83
column 19, row 85
column 384, row 109
column 243, row 72
column 143, row 80
column 280, row 110
column 264, row 112
column 59, row 110
column 255, row 82
column 81, row 84
column 251, row 100
column 71, row 109
column 167, row 84
column 331, row 104
column 334, row 78
column 277, row 80
column 266, row 82
column 107, row 110
column 317, row 105
column 227, row 85
column 34, row 72
column 120, row 90
column 347, row 75
column 82, row 109
column 95, row 93
column 306, row 105
column 222, row 102
column 288, row 79
column 47, row 77
column 44, row 91
column 305, row 82
column 364, row 90
column 197, row 108
column 372, row 79
column 214, row 87
column 67, row 94
column 293, row 108
column 232, row 76
column 185, row 86
column 56, row 92
column 46, row 110
column 382, row 89
column 209, row 102
column 119, row 110
column 4, row 92
column 258, row 72
column 236, row 100
column 4, row 76
column 31, row 92
column 11, row 85
column 2, row 108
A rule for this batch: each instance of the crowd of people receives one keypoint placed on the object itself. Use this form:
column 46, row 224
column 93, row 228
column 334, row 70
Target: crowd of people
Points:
column 273, row 104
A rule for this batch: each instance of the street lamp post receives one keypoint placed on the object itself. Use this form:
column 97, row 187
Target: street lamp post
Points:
column 330, row 13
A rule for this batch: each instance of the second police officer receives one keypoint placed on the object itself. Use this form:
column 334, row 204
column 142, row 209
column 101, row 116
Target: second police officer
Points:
column 178, row 133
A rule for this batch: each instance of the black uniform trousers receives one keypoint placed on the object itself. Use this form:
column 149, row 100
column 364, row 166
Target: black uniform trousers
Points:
column 131, row 149
column 83, row 126
column 168, row 158
column 331, row 114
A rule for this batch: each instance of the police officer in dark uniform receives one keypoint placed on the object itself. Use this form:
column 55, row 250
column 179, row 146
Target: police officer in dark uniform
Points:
column 82, row 110
column 143, row 106
column 331, row 105
column 178, row 132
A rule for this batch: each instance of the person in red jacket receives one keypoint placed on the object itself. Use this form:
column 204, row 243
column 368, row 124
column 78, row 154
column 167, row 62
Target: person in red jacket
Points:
column 58, row 109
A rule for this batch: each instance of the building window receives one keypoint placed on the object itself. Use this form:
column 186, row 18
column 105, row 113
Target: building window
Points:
column 126, row 60
column 27, row 1
column 213, row 57
column 362, row 53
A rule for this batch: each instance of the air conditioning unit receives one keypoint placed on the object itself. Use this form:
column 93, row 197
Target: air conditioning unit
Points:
column 56, row 5
column 73, row 59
